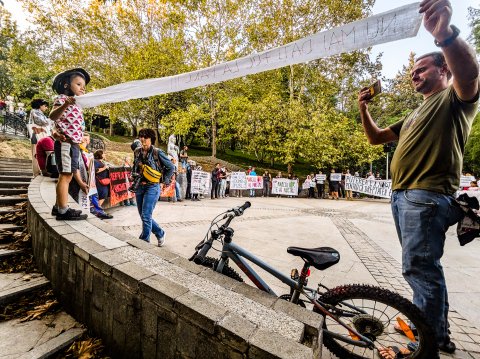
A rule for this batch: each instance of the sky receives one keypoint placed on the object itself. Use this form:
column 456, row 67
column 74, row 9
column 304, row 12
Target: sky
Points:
column 395, row 54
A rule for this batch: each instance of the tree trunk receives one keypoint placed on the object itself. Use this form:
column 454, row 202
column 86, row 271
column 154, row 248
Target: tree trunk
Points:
column 289, row 168
column 290, row 83
column 213, row 117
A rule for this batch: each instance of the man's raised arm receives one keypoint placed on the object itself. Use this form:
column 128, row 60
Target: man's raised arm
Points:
column 374, row 134
column 459, row 56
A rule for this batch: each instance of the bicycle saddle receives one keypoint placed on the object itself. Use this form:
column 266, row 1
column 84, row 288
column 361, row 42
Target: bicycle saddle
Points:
column 321, row 258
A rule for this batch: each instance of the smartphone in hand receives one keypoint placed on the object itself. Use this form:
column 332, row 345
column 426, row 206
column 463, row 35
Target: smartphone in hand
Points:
column 375, row 89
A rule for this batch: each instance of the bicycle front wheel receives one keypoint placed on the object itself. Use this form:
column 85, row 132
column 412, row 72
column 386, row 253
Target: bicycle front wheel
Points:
column 374, row 312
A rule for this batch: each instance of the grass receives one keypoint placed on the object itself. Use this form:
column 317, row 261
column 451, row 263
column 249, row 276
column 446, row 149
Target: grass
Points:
column 115, row 138
column 245, row 159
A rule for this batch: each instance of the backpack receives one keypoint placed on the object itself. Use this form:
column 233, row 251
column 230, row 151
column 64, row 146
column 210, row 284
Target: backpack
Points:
column 51, row 165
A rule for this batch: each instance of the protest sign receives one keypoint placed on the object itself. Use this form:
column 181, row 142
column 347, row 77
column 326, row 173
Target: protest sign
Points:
column 389, row 26
column 238, row 180
column 83, row 200
column 320, row 178
column 119, row 184
column 254, row 182
column 284, row 186
column 167, row 191
column 465, row 181
column 200, row 182
column 335, row 177
column 371, row 187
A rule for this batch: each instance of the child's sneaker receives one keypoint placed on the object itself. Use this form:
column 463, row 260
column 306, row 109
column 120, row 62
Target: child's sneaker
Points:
column 71, row 215
column 55, row 211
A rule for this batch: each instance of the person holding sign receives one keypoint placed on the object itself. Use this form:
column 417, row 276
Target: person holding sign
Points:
column 427, row 162
column 320, row 181
column 334, row 184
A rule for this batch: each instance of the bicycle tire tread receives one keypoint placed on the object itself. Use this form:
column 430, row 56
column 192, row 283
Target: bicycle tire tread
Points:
column 336, row 295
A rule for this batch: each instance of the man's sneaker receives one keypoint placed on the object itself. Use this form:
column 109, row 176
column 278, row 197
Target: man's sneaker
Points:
column 71, row 215
column 161, row 240
column 448, row 347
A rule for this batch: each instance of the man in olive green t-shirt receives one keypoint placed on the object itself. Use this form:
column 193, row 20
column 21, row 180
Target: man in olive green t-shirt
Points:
column 427, row 163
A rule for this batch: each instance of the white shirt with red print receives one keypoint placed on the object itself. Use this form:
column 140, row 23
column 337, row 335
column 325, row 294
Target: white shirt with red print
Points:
column 71, row 122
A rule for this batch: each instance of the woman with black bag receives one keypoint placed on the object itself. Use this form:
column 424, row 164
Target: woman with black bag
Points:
column 148, row 165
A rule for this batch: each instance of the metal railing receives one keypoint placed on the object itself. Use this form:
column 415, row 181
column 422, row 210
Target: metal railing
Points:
column 12, row 124
column 96, row 143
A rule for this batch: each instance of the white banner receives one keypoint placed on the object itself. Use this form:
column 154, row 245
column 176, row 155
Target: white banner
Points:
column 392, row 25
column 200, row 182
column 320, row 178
column 371, row 187
column 238, row 180
column 284, row 186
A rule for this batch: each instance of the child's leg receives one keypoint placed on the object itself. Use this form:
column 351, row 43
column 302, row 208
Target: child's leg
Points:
column 63, row 158
column 62, row 190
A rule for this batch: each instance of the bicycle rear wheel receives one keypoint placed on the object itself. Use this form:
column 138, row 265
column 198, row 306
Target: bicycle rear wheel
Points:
column 373, row 312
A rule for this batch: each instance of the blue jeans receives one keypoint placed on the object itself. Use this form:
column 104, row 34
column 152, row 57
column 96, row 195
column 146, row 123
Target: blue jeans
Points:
column 422, row 219
column 177, row 191
column 147, row 197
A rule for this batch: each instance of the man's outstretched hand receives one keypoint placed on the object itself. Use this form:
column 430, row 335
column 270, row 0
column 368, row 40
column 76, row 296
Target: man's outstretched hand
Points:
column 437, row 16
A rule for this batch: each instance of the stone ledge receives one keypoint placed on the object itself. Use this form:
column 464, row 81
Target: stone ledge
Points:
column 123, row 288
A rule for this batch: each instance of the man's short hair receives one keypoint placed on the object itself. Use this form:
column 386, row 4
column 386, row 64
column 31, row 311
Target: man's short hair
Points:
column 148, row 133
column 438, row 60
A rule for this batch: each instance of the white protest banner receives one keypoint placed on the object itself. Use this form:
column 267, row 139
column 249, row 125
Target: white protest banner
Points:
column 238, row 180
column 371, row 187
column 200, row 182
column 465, row 180
column 392, row 25
column 335, row 177
column 320, row 178
column 285, row 186
column 254, row 182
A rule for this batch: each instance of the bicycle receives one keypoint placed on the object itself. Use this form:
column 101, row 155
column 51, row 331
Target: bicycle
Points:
column 358, row 319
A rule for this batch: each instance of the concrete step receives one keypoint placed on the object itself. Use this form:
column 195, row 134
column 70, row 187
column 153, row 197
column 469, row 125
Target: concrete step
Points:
column 6, row 253
column 11, row 200
column 14, row 184
column 54, row 345
column 27, row 170
column 21, row 178
column 12, row 191
column 10, row 227
column 7, row 210
column 15, row 165
column 16, row 172
column 12, row 161
column 19, row 287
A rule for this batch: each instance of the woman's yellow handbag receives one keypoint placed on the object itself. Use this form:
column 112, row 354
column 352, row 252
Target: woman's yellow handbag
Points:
column 150, row 174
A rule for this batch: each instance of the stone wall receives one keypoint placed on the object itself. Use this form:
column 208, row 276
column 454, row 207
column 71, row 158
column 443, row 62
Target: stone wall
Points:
column 147, row 302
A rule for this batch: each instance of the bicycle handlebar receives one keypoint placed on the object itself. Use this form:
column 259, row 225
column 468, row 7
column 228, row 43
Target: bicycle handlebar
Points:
column 239, row 210
column 199, row 256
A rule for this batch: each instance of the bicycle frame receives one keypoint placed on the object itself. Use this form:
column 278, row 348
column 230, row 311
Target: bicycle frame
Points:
column 236, row 253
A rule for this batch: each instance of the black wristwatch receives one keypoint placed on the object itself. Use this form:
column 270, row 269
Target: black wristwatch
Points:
column 444, row 43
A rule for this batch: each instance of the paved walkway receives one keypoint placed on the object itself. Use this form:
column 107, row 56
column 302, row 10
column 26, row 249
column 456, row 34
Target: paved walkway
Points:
column 361, row 230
